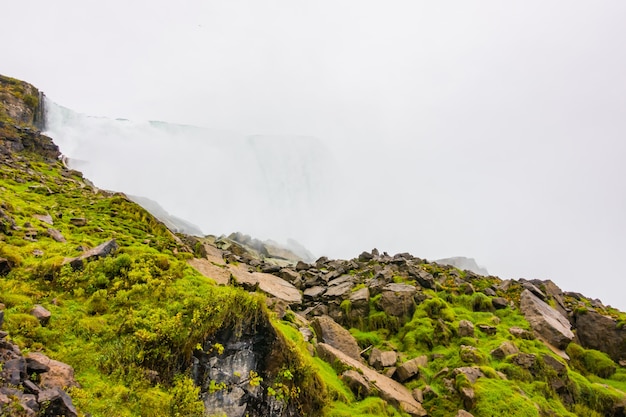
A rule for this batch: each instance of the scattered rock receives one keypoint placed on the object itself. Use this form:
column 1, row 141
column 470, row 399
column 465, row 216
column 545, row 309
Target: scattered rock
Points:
column 46, row 218
column 41, row 314
column 382, row 359
column 488, row 330
column 521, row 333
column 59, row 375
column 313, row 292
column 466, row 328
column 78, row 221
column 331, row 333
column 499, row 303
column 524, row 360
column 472, row 373
column 410, row 368
column 289, row 275
column 5, row 266
column 357, row 383
column 547, row 322
column 470, row 354
column 58, row 403
column 595, row 331
column 505, row 349
column 398, row 299
column 555, row 364
column 468, row 396
column 418, row 394
column 463, row 413
column 100, row 251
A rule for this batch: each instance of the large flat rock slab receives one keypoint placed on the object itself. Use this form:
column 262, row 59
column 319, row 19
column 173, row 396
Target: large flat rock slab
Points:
column 390, row 390
column 220, row 274
column 546, row 321
column 214, row 266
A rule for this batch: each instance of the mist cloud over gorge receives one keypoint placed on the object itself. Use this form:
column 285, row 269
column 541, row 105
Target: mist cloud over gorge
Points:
column 489, row 130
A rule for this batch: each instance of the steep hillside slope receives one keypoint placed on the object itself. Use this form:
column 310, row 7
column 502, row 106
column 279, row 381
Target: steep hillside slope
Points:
column 92, row 280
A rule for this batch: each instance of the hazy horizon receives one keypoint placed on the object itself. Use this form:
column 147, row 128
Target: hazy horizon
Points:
column 488, row 130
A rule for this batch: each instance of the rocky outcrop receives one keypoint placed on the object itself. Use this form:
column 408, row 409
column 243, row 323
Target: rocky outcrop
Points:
column 33, row 384
column 233, row 371
column 595, row 331
column 547, row 322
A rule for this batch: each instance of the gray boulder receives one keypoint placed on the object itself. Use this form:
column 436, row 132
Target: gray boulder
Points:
column 410, row 368
column 381, row 359
column 547, row 322
column 595, row 331
column 398, row 299
column 331, row 333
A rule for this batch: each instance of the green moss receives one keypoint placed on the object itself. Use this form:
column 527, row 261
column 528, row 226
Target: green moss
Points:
column 499, row 398
column 591, row 361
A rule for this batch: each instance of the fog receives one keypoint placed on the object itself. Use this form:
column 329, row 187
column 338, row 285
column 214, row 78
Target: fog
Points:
column 481, row 129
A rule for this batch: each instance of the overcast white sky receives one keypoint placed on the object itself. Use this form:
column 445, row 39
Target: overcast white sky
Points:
column 494, row 130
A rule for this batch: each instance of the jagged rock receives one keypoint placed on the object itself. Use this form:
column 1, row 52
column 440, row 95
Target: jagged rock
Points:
column 468, row 396
column 463, row 413
column 398, row 299
column 595, row 331
column 533, row 289
column 302, row 266
column 5, row 266
column 505, row 349
column 289, row 275
column 389, row 390
column 499, row 303
column 46, row 218
column 78, row 221
column 470, row 354
column 521, row 333
column 424, row 278
column 100, row 251
column 381, row 359
column 466, row 328
column 418, row 394
column 553, row 291
column 59, row 374
column 524, row 360
column 555, row 364
column 410, row 368
column 357, row 383
column 14, row 371
column 547, row 322
column 41, row 314
column 490, row 292
column 472, row 373
column 57, row 403
column 331, row 333
column 313, row 292
column 30, row 387
column 340, row 290
column 488, row 330
column 359, row 307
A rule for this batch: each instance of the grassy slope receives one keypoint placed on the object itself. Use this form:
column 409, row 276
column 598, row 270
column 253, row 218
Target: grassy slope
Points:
column 127, row 323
